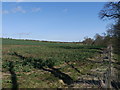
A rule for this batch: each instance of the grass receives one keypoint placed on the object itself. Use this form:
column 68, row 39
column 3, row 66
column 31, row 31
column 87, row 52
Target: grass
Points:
column 37, row 64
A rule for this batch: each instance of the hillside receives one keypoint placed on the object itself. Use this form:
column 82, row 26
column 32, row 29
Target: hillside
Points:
column 36, row 64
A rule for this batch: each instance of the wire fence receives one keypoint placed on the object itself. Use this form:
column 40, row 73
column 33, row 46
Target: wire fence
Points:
column 105, row 76
column 110, row 78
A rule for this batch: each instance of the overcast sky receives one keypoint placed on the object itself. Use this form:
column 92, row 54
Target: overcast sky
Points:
column 58, row 21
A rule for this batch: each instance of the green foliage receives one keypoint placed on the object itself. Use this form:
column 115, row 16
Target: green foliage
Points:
column 30, row 57
column 46, row 55
column 50, row 62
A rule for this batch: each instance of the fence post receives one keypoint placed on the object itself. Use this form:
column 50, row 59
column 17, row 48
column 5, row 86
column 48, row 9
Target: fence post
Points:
column 109, row 66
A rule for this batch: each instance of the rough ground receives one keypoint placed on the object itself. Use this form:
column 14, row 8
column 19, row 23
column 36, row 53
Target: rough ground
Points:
column 98, row 77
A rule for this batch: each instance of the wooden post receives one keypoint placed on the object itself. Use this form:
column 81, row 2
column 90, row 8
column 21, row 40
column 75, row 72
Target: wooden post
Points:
column 109, row 67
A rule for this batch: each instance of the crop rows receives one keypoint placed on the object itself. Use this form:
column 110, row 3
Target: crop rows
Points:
column 27, row 57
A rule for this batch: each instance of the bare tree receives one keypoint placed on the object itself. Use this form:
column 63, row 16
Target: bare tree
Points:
column 88, row 41
column 111, row 10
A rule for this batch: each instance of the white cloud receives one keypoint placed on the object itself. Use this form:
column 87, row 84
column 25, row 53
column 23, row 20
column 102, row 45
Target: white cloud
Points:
column 14, row 10
column 20, row 0
column 18, row 9
column 23, row 33
column 65, row 10
column 5, row 12
column 36, row 9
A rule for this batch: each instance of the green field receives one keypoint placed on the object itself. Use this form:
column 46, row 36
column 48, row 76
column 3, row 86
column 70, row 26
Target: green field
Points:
column 37, row 64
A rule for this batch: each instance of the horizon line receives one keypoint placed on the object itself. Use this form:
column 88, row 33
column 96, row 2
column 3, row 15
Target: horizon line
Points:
column 40, row 40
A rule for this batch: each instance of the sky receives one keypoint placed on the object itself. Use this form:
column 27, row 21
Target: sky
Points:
column 52, row 21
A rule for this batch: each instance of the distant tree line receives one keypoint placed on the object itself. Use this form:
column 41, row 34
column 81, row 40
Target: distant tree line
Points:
column 100, row 40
